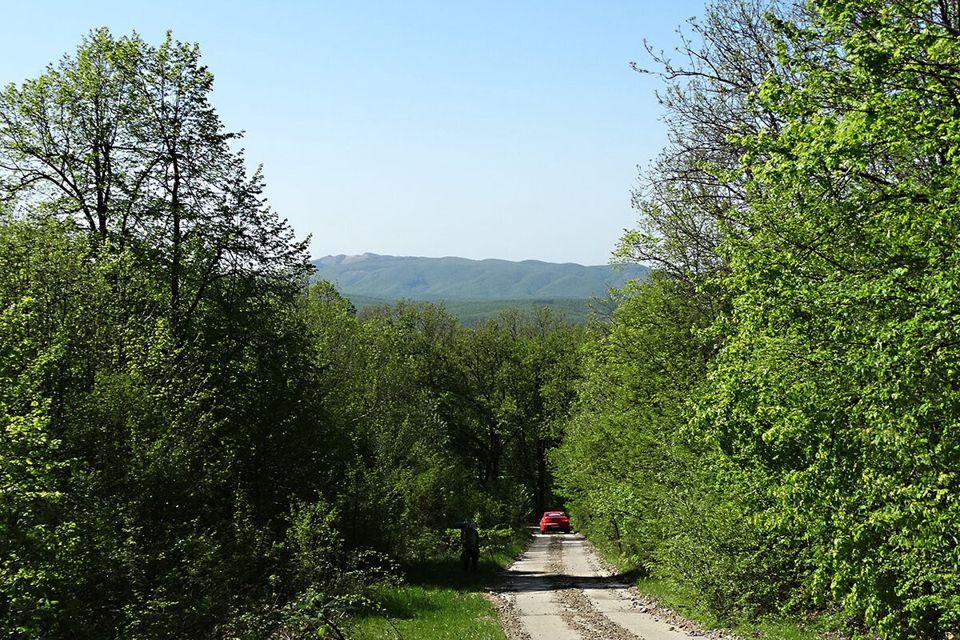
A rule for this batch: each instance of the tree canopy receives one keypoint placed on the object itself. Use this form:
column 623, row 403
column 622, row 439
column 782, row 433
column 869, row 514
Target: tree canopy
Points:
column 195, row 441
column 803, row 217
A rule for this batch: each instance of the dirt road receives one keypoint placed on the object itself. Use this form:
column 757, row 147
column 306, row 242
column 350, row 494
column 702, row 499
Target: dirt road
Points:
column 559, row 590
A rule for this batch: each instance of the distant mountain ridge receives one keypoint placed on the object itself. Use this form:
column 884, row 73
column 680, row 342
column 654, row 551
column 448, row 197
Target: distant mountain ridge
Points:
column 434, row 279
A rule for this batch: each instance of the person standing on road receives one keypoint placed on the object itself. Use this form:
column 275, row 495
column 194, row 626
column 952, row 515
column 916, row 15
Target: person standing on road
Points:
column 469, row 544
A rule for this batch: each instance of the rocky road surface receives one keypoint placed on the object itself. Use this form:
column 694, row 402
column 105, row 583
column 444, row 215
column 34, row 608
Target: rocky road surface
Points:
column 560, row 590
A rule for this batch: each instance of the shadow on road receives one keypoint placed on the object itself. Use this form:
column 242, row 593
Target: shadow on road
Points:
column 526, row 581
column 448, row 573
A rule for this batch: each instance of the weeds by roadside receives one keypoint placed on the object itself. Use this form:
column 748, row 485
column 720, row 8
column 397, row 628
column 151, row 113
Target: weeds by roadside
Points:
column 438, row 600
column 672, row 596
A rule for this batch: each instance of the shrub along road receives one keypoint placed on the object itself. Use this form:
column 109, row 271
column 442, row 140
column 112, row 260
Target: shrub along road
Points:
column 560, row 590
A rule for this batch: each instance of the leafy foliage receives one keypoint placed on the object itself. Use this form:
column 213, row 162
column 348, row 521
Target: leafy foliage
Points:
column 804, row 221
column 193, row 442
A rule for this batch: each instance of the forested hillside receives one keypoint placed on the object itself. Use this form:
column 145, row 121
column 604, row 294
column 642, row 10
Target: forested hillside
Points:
column 431, row 279
column 771, row 422
column 477, row 290
column 470, row 313
column 194, row 442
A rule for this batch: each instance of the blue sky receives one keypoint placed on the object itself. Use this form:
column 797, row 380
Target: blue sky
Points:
column 485, row 130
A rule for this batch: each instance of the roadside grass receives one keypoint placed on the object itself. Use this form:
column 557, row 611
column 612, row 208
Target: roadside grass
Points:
column 439, row 601
column 675, row 597
column 435, row 613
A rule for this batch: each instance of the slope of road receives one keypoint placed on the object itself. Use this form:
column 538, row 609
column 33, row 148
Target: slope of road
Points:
column 559, row 590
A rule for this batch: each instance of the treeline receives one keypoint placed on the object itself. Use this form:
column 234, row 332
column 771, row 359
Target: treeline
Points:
column 773, row 421
column 193, row 442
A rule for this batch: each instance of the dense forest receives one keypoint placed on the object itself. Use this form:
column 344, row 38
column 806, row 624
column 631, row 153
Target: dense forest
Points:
column 474, row 291
column 773, row 420
column 197, row 442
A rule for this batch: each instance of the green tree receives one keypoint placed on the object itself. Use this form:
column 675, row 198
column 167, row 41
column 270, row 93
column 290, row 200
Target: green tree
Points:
column 122, row 136
column 51, row 303
column 807, row 204
column 843, row 289
column 158, row 406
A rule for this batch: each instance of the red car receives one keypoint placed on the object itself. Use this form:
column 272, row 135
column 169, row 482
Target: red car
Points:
column 554, row 520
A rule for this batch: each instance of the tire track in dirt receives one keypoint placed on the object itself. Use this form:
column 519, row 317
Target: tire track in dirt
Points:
column 578, row 612
column 559, row 590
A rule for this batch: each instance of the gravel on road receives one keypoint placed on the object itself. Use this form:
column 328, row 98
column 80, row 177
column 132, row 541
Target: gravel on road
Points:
column 559, row 589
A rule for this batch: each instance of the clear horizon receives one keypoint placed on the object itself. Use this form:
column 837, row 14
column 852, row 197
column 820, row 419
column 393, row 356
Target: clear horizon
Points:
column 314, row 258
column 498, row 131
